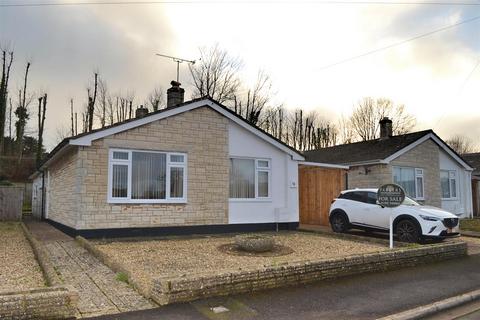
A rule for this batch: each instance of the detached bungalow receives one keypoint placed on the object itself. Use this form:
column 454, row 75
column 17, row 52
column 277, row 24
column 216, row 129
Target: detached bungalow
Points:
column 423, row 164
column 195, row 166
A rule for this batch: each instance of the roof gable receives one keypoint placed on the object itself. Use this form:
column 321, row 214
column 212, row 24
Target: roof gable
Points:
column 86, row 139
column 380, row 150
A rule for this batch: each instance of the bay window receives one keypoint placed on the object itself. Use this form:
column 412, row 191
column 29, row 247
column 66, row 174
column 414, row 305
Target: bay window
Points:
column 249, row 178
column 411, row 180
column 146, row 176
column 448, row 182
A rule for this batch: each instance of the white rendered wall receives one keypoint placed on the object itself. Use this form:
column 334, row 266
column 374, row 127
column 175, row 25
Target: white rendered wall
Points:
column 462, row 205
column 283, row 203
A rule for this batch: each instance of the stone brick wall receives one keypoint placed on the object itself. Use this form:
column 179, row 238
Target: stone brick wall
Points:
column 425, row 156
column 201, row 133
column 45, row 303
column 62, row 191
column 168, row 290
column 371, row 176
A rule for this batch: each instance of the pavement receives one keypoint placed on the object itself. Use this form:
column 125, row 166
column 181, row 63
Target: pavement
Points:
column 367, row 296
column 99, row 291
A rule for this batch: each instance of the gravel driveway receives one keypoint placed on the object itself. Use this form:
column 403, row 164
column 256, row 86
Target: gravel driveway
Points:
column 19, row 269
column 201, row 254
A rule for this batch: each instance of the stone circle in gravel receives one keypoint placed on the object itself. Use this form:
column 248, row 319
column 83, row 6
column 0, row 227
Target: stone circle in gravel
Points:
column 276, row 251
column 19, row 270
column 200, row 255
column 255, row 243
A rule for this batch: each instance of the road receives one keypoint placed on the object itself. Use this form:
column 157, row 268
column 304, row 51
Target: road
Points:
column 360, row 297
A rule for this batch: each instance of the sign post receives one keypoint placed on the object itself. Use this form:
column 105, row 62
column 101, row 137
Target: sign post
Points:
column 390, row 196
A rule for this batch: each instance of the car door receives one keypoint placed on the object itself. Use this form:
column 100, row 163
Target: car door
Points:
column 355, row 206
column 375, row 215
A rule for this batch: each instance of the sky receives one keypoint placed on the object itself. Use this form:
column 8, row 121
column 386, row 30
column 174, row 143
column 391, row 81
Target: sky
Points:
column 436, row 77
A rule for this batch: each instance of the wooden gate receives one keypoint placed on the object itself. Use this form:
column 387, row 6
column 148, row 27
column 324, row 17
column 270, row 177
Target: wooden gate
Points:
column 318, row 186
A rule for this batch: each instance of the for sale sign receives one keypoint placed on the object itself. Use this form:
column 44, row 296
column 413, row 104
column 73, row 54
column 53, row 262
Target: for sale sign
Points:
column 390, row 195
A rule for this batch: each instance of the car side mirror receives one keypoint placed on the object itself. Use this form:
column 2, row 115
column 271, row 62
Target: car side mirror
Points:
column 381, row 205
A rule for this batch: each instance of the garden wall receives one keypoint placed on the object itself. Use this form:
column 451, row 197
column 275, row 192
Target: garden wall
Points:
column 45, row 303
column 167, row 290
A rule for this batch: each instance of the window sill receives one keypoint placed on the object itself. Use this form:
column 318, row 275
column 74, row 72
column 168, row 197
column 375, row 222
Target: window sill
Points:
column 449, row 199
column 111, row 201
column 251, row 200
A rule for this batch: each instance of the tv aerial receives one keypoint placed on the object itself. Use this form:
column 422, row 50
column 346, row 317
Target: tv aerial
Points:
column 178, row 61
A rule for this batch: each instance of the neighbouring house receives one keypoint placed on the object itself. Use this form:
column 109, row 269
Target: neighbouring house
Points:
column 474, row 160
column 195, row 166
column 423, row 164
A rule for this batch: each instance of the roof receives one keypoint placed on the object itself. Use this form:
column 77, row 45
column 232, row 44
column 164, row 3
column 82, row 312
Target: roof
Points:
column 474, row 160
column 85, row 139
column 379, row 150
column 365, row 151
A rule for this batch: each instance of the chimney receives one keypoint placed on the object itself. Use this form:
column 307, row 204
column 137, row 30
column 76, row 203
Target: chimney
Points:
column 385, row 128
column 175, row 94
column 141, row 112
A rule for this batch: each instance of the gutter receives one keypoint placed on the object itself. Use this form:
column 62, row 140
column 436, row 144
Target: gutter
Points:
column 323, row 165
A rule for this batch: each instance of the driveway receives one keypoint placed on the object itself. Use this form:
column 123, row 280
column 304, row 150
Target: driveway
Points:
column 361, row 297
column 99, row 291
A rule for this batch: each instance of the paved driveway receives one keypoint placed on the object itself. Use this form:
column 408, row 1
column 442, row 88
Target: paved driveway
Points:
column 99, row 292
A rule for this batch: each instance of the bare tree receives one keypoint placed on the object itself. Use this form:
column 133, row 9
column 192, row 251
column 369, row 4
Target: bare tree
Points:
column 7, row 60
column 102, row 105
column 42, row 109
column 368, row 113
column 216, row 75
column 91, row 102
column 61, row 133
column 22, row 113
column 156, row 99
column 251, row 105
column 72, row 131
column 346, row 134
column 461, row 144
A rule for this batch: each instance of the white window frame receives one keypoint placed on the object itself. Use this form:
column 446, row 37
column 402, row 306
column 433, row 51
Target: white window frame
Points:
column 257, row 169
column 418, row 173
column 128, row 162
column 450, row 173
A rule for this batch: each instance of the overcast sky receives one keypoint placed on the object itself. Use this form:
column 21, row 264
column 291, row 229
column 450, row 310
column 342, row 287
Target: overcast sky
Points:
column 434, row 76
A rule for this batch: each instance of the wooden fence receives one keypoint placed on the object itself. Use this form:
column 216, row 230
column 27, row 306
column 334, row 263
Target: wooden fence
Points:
column 11, row 201
column 318, row 187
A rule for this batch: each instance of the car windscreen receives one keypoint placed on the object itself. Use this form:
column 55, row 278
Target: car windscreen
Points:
column 410, row 202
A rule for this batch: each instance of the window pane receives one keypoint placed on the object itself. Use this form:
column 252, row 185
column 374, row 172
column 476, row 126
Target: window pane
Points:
column 242, row 178
column 263, row 184
column 405, row 177
column 453, row 188
column 119, row 181
column 176, row 158
column 419, row 187
column 262, row 164
column 176, row 182
column 118, row 155
column 372, row 198
column 445, row 183
column 148, row 175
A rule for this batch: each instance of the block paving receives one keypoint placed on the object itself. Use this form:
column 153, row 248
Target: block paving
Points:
column 99, row 291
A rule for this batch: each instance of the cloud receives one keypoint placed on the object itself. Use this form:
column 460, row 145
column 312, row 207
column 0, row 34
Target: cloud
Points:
column 66, row 45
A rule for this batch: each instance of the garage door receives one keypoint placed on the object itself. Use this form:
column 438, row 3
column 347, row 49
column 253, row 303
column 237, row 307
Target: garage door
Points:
column 318, row 186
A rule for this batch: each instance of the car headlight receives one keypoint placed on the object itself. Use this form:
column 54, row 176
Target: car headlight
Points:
column 429, row 218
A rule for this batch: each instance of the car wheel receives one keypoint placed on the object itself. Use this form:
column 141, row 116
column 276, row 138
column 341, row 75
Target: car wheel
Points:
column 407, row 231
column 339, row 222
